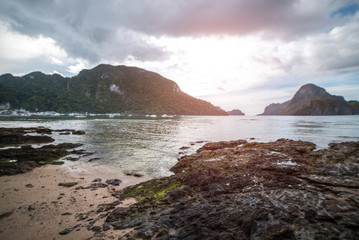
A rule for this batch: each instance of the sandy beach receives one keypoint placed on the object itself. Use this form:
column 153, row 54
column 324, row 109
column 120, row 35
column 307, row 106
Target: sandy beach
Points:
column 34, row 206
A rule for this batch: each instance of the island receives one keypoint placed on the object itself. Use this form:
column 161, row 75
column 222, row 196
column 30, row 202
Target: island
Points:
column 236, row 112
column 103, row 89
column 313, row 100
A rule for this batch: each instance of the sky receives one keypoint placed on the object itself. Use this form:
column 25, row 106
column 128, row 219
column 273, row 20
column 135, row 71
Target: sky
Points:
column 237, row 54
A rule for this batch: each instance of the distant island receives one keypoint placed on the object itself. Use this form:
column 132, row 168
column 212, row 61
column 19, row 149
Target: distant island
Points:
column 236, row 112
column 313, row 100
column 103, row 89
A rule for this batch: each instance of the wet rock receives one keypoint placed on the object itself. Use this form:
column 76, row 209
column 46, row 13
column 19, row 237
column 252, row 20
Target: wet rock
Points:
column 68, row 230
column 184, row 148
column 78, row 132
column 28, row 157
column 30, row 208
column 98, row 185
column 93, row 159
column 106, row 227
column 93, row 186
column 29, row 185
column 238, row 190
column 12, row 168
column 97, row 180
column 114, row 182
column 65, row 133
column 15, row 136
column 96, row 229
column 105, row 207
column 72, row 158
column 132, row 173
column 6, row 214
column 68, row 184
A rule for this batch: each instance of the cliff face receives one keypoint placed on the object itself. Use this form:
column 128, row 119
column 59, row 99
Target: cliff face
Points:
column 104, row 88
column 313, row 100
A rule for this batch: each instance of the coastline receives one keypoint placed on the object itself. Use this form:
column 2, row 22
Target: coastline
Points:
column 34, row 206
column 239, row 189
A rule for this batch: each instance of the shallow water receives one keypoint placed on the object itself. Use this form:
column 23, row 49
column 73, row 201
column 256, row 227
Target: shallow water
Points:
column 152, row 146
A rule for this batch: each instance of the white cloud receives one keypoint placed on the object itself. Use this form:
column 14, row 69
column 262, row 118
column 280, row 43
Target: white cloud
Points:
column 16, row 46
column 212, row 49
column 56, row 61
column 76, row 68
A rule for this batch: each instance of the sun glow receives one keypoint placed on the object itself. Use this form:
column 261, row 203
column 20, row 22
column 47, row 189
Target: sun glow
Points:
column 216, row 64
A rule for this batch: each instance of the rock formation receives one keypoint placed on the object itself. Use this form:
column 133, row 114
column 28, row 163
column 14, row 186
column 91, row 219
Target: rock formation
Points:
column 313, row 100
column 238, row 190
column 19, row 156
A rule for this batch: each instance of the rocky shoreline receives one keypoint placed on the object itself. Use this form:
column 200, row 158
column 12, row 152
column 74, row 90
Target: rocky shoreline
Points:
column 249, row 190
column 40, row 200
column 226, row 190
column 18, row 155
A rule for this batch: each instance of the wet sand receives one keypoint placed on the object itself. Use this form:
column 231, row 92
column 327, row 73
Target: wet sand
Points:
column 34, row 206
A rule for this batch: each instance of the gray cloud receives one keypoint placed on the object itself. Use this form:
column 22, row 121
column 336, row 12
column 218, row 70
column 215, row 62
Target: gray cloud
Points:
column 83, row 29
column 97, row 30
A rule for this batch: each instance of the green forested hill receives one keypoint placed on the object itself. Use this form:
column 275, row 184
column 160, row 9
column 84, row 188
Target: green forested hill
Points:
column 103, row 89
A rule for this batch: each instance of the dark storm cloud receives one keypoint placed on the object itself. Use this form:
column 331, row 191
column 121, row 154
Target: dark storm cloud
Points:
column 116, row 29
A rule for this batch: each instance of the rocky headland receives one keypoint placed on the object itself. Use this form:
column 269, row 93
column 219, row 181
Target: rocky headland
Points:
column 313, row 100
column 249, row 190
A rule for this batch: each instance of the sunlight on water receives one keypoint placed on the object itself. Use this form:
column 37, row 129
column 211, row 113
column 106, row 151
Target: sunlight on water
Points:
column 152, row 146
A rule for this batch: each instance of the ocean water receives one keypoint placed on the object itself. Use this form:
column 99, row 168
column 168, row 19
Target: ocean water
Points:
column 152, row 146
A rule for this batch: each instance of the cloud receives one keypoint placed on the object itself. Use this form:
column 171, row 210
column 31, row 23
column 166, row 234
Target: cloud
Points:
column 94, row 30
column 84, row 29
column 197, row 43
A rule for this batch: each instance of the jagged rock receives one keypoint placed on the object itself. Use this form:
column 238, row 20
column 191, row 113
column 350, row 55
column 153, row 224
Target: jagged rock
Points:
column 68, row 230
column 93, row 159
column 114, row 182
column 68, row 184
column 236, row 190
column 93, row 186
column 65, row 133
column 96, row 229
column 78, row 132
column 6, row 214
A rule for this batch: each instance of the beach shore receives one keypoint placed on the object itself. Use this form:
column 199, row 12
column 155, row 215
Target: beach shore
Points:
column 34, row 206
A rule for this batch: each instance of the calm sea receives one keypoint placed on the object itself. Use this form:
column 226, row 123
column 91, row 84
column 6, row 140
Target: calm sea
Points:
column 152, row 146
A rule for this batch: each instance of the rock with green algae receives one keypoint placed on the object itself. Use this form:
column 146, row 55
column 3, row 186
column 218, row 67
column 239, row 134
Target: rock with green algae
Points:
column 277, row 190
